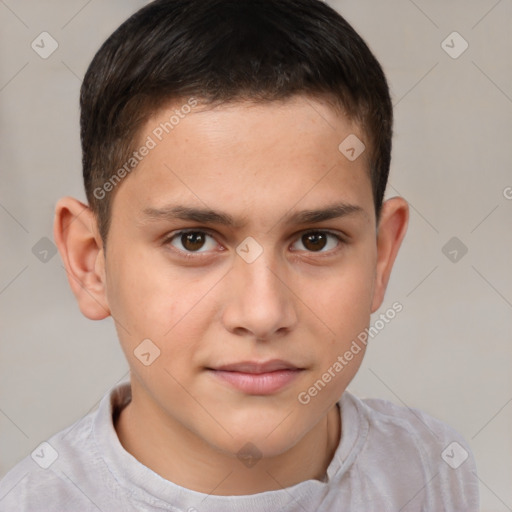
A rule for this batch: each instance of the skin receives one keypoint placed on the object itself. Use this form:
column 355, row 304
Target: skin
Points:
column 298, row 301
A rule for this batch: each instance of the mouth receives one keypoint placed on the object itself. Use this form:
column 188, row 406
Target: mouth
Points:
column 257, row 378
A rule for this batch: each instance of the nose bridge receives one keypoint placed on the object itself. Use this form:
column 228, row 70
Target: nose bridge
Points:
column 260, row 277
column 260, row 301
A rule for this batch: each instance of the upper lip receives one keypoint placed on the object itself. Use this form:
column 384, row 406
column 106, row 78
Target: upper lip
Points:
column 257, row 367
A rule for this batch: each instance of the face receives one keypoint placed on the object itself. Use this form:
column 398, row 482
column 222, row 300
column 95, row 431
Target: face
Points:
column 243, row 247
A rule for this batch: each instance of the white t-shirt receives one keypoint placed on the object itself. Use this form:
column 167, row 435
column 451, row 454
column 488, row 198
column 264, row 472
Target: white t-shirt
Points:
column 389, row 458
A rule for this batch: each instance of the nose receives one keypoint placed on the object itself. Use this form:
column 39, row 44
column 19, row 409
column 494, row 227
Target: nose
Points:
column 260, row 303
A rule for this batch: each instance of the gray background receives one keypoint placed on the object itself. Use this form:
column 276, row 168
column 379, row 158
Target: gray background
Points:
column 449, row 351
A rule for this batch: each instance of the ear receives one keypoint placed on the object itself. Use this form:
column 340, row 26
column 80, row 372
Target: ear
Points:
column 390, row 233
column 77, row 237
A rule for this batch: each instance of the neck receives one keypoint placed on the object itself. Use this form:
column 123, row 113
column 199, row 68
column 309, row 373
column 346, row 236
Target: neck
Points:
column 180, row 456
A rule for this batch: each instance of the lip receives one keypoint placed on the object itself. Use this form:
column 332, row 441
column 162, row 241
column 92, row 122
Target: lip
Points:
column 257, row 367
column 257, row 378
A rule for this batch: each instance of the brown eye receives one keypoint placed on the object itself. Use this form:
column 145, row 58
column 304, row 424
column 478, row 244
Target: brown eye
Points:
column 318, row 241
column 193, row 241
column 314, row 241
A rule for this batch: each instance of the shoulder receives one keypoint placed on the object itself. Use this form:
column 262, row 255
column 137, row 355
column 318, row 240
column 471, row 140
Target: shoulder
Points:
column 67, row 472
column 383, row 415
column 42, row 481
column 418, row 450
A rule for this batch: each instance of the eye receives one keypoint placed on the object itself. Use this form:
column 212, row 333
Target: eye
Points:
column 319, row 241
column 192, row 241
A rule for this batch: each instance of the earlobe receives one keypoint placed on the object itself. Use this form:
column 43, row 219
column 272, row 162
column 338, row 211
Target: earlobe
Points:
column 77, row 238
column 392, row 228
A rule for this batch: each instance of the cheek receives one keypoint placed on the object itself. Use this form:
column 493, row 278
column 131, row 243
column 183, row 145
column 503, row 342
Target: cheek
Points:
column 138, row 296
column 151, row 300
column 343, row 302
column 343, row 297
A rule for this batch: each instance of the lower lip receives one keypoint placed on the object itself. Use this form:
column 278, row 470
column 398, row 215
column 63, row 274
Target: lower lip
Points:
column 258, row 383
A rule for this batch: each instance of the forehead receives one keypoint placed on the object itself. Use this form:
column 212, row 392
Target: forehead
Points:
column 249, row 156
column 251, row 125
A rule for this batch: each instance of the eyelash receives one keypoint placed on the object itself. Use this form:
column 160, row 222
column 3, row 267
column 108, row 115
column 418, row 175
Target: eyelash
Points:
column 192, row 254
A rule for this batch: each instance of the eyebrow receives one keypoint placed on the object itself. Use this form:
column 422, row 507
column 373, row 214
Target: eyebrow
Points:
column 208, row 216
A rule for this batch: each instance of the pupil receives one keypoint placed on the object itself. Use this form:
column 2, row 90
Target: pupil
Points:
column 314, row 241
column 192, row 241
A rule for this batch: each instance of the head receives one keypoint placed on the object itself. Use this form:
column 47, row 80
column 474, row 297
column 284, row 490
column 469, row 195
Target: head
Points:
column 225, row 118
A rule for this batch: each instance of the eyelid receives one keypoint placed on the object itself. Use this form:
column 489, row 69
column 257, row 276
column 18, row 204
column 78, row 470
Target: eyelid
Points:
column 336, row 234
column 173, row 234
